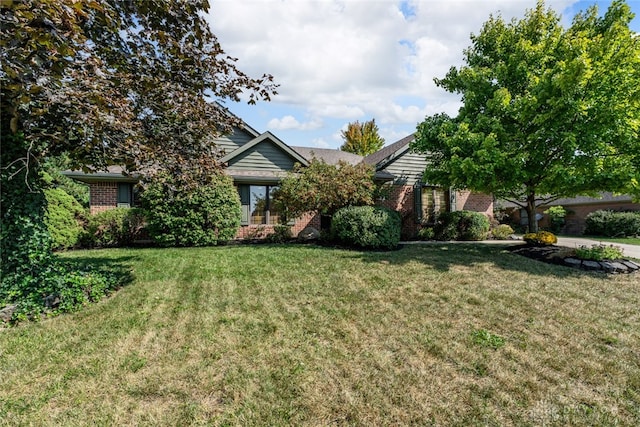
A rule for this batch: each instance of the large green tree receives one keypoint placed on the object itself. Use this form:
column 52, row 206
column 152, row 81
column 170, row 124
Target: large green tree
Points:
column 362, row 138
column 105, row 82
column 547, row 112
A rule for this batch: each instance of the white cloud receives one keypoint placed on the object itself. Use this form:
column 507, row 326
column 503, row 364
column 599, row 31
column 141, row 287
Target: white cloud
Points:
column 290, row 122
column 356, row 59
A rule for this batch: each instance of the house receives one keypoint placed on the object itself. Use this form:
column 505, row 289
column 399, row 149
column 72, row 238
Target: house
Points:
column 418, row 202
column 258, row 161
column 577, row 210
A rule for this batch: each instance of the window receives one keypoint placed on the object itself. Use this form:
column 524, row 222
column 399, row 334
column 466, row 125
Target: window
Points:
column 430, row 202
column 125, row 195
column 256, row 204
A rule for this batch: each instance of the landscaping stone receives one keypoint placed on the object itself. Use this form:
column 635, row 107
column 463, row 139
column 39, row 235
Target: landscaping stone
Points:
column 573, row 262
column 7, row 312
column 308, row 234
column 558, row 255
column 592, row 265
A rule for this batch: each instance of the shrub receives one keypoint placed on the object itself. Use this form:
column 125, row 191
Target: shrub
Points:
column 369, row 227
column 58, row 290
column 281, row 234
column 502, row 232
column 599, row 252
column 557, row 215
column 64, row 218
column 426, row 233
column 461, row 225
column 113, row 228
column 181, row 215
column 613, row 224
column 541, row 238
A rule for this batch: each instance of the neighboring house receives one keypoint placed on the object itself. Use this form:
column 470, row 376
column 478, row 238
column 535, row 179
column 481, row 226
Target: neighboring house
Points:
column 257, row 162
column 577, row 210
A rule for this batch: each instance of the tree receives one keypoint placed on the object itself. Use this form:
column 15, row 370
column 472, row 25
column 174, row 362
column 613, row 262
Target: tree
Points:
column 324, row 188
column 547, row 112
column 105, row 82
column 362, row 138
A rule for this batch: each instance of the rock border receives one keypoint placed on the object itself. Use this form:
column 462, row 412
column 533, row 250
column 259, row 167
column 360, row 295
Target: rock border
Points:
column 620, row 266
column 553, row 255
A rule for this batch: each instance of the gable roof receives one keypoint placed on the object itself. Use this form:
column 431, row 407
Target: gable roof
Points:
column 387, row 154
column 330, row 156
column 267, row 136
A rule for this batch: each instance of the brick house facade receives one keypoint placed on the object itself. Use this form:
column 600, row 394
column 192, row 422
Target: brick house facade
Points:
column 257, row 163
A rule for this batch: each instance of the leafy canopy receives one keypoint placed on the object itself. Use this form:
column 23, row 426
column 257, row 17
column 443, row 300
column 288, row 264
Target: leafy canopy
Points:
column 547, row 112
column 362, row 138
column 118, row 82
column 324, row 188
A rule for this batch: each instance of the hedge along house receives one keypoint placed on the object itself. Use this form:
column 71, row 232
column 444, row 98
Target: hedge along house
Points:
column 418, row 202
column 258, row 161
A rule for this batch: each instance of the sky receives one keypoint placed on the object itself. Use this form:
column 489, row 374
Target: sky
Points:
column 338, row 61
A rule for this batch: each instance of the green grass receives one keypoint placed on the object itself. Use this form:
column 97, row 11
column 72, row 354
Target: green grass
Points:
column 301, row 335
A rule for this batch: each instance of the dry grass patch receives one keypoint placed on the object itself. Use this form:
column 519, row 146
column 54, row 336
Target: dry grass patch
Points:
column 276, row 335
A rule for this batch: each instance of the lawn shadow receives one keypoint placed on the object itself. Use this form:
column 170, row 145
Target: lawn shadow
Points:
column 444, row 256
column 120, row 269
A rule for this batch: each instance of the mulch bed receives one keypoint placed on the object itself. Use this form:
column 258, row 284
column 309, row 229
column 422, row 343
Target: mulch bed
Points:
column 560, row 255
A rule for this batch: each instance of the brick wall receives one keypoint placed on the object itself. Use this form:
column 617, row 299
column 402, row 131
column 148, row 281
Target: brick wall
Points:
column 103, row 196
column 400, row 199
column 477, row 202
column 260, row 231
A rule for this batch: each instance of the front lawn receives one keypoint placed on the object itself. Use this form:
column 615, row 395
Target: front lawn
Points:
column 301, row 335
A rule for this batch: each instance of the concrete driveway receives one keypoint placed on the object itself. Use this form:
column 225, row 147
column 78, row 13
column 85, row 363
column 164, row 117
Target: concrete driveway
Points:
column 630, row 251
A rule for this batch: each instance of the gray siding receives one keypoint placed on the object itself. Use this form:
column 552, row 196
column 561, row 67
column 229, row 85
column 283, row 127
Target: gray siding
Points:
column 408, row 168
column 230, row 143
column 264, row 156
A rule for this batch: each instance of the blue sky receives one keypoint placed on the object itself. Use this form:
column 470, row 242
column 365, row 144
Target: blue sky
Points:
column 338, row 61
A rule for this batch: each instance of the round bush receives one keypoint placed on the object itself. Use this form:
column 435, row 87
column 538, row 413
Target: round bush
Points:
column 502, row 232
column 612, row 224
column 462, row 225
column 204, row 215
column 367, row 227
column 64, row 218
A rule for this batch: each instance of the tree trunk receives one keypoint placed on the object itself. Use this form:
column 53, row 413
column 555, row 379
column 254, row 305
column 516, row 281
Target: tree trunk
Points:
column 531, row 213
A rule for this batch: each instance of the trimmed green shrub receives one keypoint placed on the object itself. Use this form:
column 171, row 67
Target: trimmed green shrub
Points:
column 367, row 227
column 502, row 232
column 461, row 225
column 613, row 224
column 113, row 228
column 426, row 233
column 557, row 215
column 64, row 218
column 181, row 215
